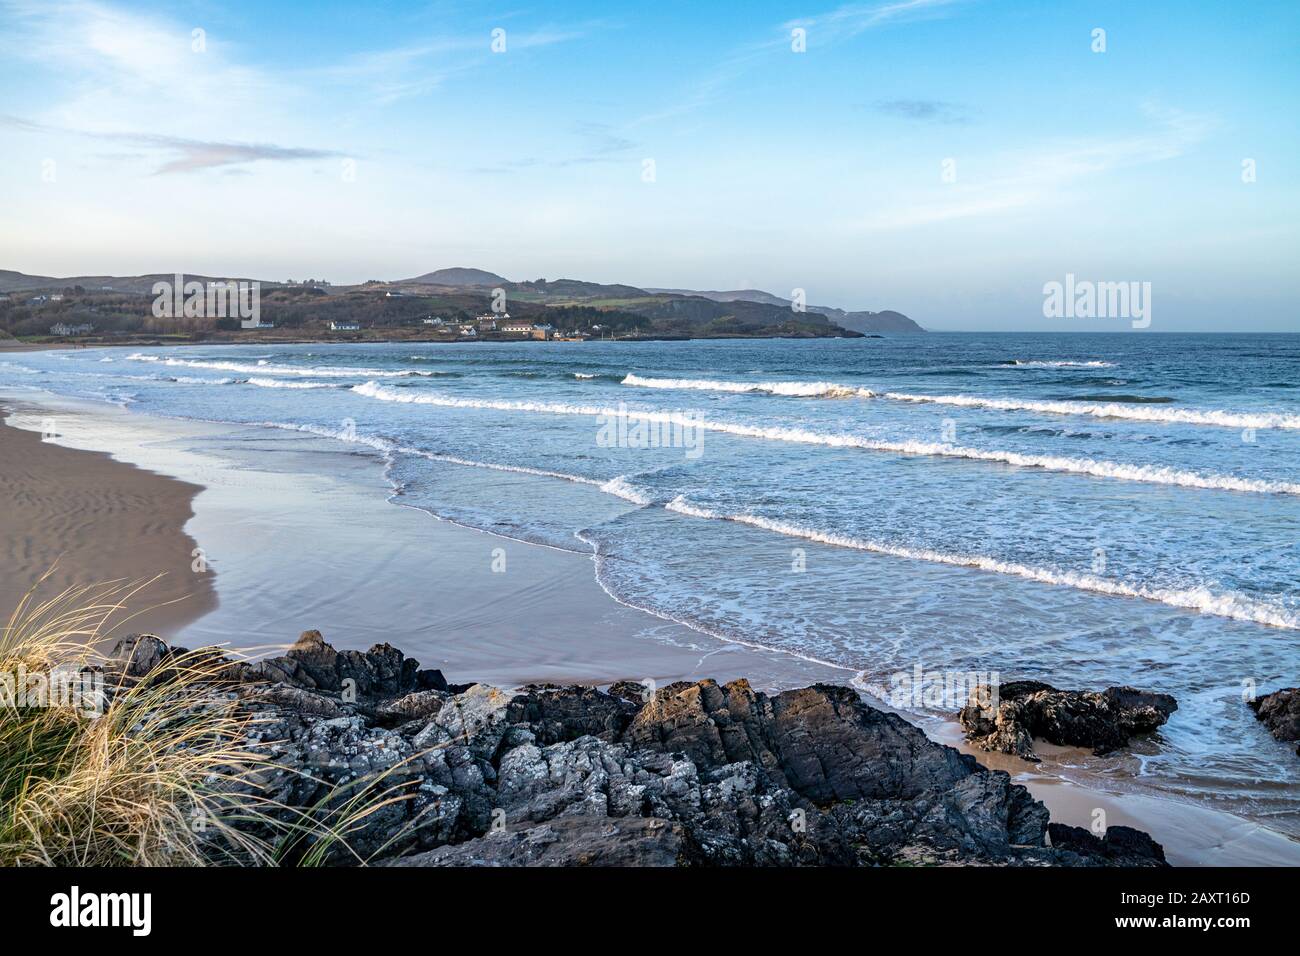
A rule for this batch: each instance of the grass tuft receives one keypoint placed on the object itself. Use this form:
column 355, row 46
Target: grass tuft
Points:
column 162, row 774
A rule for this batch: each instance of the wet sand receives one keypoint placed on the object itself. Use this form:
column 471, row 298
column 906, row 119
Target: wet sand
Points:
column 300, row 534
column 92, row 520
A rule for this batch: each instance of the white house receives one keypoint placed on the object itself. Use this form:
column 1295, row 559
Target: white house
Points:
column 344, row 325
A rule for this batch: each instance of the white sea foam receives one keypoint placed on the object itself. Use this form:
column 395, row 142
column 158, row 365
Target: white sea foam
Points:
column 287, row 383
column 1036, row 363
column 1231, row 605
column 262, row 367
column 618, row 486
column 1150, row 474
column 1184, row 416
column 789, row 389
column 1140, row 413
column 622, row 488
column 186, row 380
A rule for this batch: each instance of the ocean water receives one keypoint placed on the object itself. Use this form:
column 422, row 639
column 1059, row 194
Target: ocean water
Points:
column 1083, row 509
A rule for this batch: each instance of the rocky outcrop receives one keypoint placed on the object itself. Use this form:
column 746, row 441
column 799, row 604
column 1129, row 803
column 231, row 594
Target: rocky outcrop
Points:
column 1029, row 710
column 693, row 774
column 1121, row 846
column 1280, row 713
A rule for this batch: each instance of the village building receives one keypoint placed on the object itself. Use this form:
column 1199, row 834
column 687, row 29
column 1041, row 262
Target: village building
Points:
column 344, row 325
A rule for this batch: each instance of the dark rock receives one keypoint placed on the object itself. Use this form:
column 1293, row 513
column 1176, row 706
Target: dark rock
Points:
column 567, row 841
column 1280, row 713
column 821, row 741
column 557, row 714
column 1027, row 710
column 634, row 692
column 421, row 704
column 431, row 680
column 700, row 774
column 135, row 655
column 311, row 664
column 1121, row 846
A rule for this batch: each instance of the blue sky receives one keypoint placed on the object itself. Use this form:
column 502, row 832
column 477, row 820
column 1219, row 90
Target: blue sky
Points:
column 322, row 140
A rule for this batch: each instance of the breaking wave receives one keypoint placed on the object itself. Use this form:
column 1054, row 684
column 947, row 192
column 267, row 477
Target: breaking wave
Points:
column 1150, row 474
column 263, row 367
column 788, row 389
column 1036, row 363
column 283, row 383
column 1114, row 408
column 1181, row 416
column 1231, row 605
column 618, row 486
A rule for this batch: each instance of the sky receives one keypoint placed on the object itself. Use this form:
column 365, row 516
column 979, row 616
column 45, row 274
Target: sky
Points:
column 944, row 158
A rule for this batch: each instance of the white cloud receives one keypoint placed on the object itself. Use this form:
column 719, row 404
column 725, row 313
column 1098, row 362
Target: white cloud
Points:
column 1041, row 175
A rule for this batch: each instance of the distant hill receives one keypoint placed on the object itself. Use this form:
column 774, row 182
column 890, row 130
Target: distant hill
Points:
column 16, row 281
column 458, row 277
column 874, row 322
column 608, row 309
column 143, row 284
column 742, row 295
column 864, row 322
column 576, row 289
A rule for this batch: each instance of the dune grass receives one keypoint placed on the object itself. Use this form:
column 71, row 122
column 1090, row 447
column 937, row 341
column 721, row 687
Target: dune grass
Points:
column 152, row 772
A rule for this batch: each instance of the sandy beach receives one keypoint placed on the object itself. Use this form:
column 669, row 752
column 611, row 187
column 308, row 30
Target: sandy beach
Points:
column 117, row 494
column 93, row 519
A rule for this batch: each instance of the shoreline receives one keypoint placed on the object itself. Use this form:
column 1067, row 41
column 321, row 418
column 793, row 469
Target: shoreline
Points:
column 86, row 519
column 545, row 619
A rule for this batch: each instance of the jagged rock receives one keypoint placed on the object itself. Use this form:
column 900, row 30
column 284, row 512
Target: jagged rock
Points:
column 420, row 704
column 566, row 713
column 135, row 655
column 1280, row 713
column 1121, row 846
column 431, row 679
column 475, row 719
column 1027, row 710
column 698, row 774
column 569, row 841
column 633, row 692
column 311, row 664
column 821, row 740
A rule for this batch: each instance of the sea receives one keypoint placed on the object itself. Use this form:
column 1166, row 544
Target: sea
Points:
column 1084, row 509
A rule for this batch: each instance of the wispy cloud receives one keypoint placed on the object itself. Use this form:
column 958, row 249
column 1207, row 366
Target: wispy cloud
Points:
column 825, row 29
column 925, row 111
column 852, row 19
column 186, row 155
column 1045, row 174
column 125, row 68
column 414, row 69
